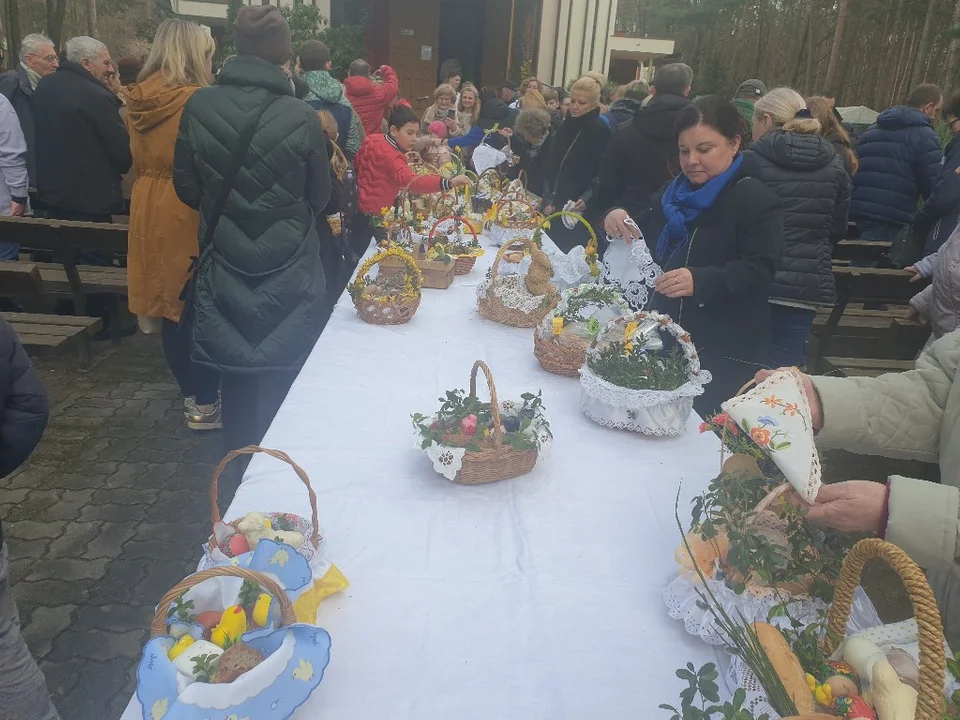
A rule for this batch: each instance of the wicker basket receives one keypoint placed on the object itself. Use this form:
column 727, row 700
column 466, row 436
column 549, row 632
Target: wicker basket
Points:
column 501, row 462
column 563, row 355
column 492, row 307
column 287, row 615
column 437, row 274
column 462, row 263
column 377, row 310
column 481, row 204
column 932, row 661
column 215, row 517
column 504, row 229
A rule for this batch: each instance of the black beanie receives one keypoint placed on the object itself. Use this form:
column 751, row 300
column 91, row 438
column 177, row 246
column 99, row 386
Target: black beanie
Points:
column 262, row 31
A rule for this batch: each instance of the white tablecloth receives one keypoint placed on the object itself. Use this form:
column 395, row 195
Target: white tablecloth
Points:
column 533, row 598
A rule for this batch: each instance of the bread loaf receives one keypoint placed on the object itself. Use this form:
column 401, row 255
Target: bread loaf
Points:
column 787, row 666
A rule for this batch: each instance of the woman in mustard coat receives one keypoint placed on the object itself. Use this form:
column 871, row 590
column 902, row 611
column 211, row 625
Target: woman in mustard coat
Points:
column 163, row 231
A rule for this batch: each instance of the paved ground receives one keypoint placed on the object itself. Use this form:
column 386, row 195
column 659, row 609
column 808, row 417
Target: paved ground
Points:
column 112, row 509
column 109, row 513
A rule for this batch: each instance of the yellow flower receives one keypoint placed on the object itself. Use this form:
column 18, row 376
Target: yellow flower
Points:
column 557, row 325
column 630, row 330
column 628, row 347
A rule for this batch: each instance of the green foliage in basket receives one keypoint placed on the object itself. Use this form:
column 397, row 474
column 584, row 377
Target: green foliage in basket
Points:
column 182, row 610
column 806, row 640
column 466, row 421
column 204, row 666
column 629, row 365
column 702, row 686
column 573, row 305
column 808, row 552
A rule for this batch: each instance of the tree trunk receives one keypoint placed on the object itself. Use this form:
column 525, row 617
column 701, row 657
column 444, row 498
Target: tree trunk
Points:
column 13, row 32
column 953, row 53
column 923, row 46
column 837, row 39
column 55, row 13
column 808, row 72
column 92, row 29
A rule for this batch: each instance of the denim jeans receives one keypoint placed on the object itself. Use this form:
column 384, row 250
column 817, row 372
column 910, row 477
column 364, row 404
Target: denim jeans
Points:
column 23, row 689
column 9, row 251
column 790, row 327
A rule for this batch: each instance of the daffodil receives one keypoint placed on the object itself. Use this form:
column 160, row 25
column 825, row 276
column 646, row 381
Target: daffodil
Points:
column 630, row 330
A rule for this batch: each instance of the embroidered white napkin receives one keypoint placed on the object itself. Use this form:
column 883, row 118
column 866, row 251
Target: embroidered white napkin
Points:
column 776, row 416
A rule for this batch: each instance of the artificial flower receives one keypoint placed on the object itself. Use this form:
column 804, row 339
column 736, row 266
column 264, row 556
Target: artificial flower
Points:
column 558, row 325
column 630, row 330
column 705, row 427
column 469, row 425
column 706, row 553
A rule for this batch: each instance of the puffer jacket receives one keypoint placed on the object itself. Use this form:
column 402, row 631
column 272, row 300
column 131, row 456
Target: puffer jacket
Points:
column 23, row 404
column 259, row 284
column 900, row 159
column 382, row 171
column 807, row 175
column 371, row 99
column 327, row 94
column 939, row 302
column 913, row 415
column 938, row 217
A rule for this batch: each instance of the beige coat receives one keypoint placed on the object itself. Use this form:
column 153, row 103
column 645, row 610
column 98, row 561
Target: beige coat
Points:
column 912, row 415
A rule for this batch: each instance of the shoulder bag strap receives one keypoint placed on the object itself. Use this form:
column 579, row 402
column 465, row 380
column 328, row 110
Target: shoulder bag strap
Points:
column 236, row 162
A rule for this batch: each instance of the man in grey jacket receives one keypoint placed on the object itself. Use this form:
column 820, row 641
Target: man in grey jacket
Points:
column 913, row 415
column 13, row 171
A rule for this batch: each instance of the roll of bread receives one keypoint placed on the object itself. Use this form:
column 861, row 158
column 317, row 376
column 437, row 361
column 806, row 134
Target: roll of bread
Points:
column 787, row 666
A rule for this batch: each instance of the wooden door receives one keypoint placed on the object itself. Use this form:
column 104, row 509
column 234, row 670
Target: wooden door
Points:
column 414, row 34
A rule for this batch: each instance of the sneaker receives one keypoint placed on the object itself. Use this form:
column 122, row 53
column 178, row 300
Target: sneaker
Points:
column 205, row 421
column 189, row 407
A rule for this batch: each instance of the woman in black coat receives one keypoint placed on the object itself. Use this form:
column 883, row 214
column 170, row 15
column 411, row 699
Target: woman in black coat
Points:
column 531, row 141
column 718, row 236
column 574, row 160
column 802, row 167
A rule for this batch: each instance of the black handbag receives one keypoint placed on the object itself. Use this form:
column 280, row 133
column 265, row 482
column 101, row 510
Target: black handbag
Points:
column 188, row 293
column 906, row 248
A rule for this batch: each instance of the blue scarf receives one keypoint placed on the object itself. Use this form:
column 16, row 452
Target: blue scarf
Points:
column 682, row 204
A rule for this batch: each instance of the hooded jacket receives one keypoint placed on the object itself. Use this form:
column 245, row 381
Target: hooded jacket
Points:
column 327, row 94
column 939, row 302
column 642, row 157
column 163, row 231
column 259, row 291
column 938, row 217
column 23, row 404
column 622, row 110
column 803, row 170
column 900, row 159
column 82, row 147
column 370, row 100
column 382, row 171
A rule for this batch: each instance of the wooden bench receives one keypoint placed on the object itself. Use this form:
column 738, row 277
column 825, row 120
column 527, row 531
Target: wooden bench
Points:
column 860, row 251
column 851, row 331
column 863, row 367
column 68, row 239
column 42, row 333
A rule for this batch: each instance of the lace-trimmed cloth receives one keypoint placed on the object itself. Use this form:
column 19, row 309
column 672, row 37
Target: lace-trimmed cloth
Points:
column 512, row 292
column 631, row 268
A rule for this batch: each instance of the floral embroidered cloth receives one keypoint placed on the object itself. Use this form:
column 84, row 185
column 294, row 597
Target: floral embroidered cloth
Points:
column 776, row 416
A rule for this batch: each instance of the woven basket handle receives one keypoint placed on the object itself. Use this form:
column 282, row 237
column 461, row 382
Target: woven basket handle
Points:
column 494, row 402
column 287, row 614
column 464, row 220
column 280, row 455
column 930, row 698
column 494, row 269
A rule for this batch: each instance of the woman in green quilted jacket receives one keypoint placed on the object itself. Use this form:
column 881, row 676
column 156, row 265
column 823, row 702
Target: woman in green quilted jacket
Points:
column 913, row 415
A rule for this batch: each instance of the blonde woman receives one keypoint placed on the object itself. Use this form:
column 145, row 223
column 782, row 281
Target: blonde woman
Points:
column 468, row 108
column 792, row 158
column 443, row 109
column 835, row 132
column 163, row 231
column 574, row 160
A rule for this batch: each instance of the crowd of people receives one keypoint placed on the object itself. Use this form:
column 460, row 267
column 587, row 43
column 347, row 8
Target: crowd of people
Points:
column 232, row 259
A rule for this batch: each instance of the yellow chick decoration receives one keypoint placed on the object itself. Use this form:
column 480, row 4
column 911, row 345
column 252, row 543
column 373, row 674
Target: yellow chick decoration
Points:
column 823, row 694
column 303, row 671
column 558, row 325
column 179, row 646
column 893, row 699
column 233, row 624
column 261, row 610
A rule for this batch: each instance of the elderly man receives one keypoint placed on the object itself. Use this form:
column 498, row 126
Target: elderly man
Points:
column 38, row 58
column 82, row 145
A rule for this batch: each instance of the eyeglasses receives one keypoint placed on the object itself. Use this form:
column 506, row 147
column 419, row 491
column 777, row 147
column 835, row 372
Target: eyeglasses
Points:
column 51, row 58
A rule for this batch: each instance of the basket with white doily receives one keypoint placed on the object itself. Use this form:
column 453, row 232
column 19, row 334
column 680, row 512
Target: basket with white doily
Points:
column 641, row 374
column 520, row 300
column 513, row 219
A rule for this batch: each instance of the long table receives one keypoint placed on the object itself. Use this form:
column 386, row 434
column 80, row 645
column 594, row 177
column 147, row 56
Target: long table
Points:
column 533, row 598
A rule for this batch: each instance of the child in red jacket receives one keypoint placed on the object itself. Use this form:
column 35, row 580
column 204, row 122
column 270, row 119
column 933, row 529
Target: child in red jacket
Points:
column 382, row 171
